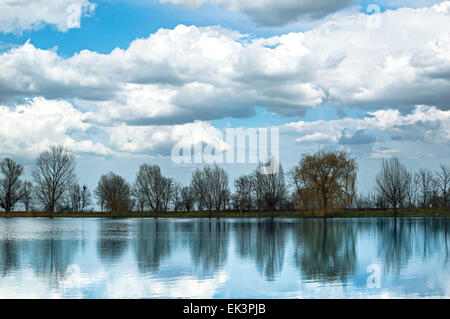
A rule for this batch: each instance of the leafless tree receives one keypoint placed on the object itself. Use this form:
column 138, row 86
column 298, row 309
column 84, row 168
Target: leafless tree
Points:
column 270, row 187
column 113, row 193
column 218, row 186
column 168, row 194
column 211, row 189
column 177, row 198
column 187, row 198
column 435, row 198
column 443, row 178
column 243, row 198
column 411, row 194
column 326, row 180
column 199, row 188
column 79, row 198
column 424, row 181
column 10, row 184
column 363, row 201
column 85, row 199
column 27, row 198
column 140, row 199
column 152, row 189
column 393, row 182
column 53, row 175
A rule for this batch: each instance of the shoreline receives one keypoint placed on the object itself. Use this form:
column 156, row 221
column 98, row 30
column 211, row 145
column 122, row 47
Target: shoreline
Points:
column 234, row 214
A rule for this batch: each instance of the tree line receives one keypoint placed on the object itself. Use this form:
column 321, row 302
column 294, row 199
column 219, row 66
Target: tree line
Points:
column 321, row 182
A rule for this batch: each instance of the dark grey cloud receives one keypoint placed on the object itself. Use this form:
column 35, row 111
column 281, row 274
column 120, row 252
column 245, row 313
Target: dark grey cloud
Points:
column 280, row 13
column 273, row 13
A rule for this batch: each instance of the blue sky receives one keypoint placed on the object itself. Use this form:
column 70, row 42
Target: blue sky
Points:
column 130, row 78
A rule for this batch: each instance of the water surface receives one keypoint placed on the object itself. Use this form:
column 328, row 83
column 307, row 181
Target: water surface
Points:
column 224, row 258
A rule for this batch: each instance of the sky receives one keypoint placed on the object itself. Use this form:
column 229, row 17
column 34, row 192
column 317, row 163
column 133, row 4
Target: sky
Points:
column 120, row 83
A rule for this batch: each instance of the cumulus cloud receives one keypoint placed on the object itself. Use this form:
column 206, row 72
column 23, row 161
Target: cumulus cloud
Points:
column 145, row 98
column 273, row 12
column 27, row 70
column 159, row 140
column 30, row 128
column 20, row 15
column 425, row 123
column 179, row 75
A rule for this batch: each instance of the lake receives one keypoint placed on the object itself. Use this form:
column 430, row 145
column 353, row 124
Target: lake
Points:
column 224, row 258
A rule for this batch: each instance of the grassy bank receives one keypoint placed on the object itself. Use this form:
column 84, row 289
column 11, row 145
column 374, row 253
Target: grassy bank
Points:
column 233, row 214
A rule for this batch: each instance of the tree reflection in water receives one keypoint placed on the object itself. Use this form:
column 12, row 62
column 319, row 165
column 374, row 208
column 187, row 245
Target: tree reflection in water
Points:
column 402, row 239
column 325, row 249
column 154, row 241
column 9, row 258
column 322, row 250
column 208, row 245
column 265, row 242
column 48, row 254
column 113, row 239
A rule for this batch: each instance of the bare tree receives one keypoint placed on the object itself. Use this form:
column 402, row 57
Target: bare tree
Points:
column 243, row 198
column 363, row 201
column 27, row 198
column 152, row 189
column 211, row 189
column 113, row 193
column 443, row 178
column 326, row 180
column 75, row 198
column 424, row 181
column 393, row 182
column 411, row 194
column 140, row 199
column 435, row 198
column 10, row 184
column 168, row 194
column 269, row 186
column 199, row 188
column 53, row 175
column 187, row 198
column 177, row 198
column 79, row 198
column 85, row 198
column 218, row 187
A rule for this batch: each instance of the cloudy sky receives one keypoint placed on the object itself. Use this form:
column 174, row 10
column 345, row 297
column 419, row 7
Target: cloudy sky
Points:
column 120, row 82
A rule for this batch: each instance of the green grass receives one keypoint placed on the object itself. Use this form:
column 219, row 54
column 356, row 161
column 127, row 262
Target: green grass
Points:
column 350, row 213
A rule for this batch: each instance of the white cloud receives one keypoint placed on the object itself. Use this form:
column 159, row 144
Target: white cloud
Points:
column 432, row 124
column 30, row 128
column 206, row 73
column 27, row 70
column 143, row 99
column 20, row 15
column 161, row 139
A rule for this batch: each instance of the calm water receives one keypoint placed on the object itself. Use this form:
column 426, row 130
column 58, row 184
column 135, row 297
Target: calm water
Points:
column 226, row 258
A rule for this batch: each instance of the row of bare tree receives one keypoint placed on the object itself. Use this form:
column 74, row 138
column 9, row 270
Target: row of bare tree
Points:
column 396, row 187
column 321, row 182
column 54, row 186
